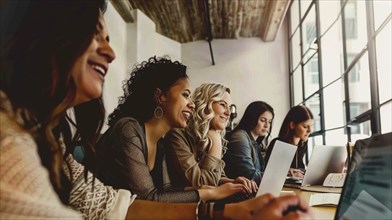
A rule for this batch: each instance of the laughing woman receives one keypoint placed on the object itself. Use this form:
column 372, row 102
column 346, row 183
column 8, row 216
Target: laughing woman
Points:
column 54, row 60
column 195, row 153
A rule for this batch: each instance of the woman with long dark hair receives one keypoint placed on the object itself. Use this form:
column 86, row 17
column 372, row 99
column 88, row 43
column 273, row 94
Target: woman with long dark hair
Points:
column 244, row 156
column 54, row 57
column 295, row 129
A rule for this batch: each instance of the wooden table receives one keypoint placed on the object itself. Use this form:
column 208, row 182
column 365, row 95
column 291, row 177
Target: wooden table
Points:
column 320, row 212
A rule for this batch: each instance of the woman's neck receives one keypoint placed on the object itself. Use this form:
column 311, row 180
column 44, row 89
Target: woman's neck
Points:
column 296, row 140
column 254, row 135
column 156, row 129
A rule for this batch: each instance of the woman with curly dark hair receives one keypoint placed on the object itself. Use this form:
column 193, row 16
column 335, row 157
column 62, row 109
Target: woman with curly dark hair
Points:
column 131, row 153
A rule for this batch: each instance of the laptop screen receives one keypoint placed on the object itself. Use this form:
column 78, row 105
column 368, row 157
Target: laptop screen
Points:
column 367, row 192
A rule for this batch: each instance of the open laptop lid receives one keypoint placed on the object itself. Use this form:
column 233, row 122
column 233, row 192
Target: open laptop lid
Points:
column 324, row 160
column 277, row 167
column 367, row 192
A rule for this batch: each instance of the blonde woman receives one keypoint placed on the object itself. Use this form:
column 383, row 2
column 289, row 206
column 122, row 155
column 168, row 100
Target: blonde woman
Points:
column 195, row 153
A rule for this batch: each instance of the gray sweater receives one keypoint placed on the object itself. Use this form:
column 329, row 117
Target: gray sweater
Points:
column 122, row 163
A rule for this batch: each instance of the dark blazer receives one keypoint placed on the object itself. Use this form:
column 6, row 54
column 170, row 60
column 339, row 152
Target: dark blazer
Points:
column 243, row 156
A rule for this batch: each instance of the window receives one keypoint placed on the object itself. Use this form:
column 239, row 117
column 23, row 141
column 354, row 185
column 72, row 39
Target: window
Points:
column 311, row 76
column 353, row 75
column 351, row 20
column 355, row 110
column 313, row 71
column 350, row 65
column 310, row 33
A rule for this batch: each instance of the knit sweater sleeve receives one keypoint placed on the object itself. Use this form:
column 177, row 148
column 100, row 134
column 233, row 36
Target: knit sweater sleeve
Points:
column 92, row 198
column 25, row 188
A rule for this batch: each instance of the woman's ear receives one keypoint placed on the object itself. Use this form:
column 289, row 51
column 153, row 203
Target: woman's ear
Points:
column 292, row 125
column 158, row 96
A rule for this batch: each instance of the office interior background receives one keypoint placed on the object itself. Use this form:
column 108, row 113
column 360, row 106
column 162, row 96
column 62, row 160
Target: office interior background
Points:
column 333, row 56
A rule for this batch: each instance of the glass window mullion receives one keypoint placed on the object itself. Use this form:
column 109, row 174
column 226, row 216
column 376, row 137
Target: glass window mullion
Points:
column 375, row 114
column 321, row 93
column 346, row 86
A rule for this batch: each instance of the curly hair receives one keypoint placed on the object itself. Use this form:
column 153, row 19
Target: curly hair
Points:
column 203, row 97
column 138, row 100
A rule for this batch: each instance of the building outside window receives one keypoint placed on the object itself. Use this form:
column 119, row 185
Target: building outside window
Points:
column 346, row 64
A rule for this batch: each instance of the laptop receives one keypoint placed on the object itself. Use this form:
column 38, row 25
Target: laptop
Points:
column 367, row 191
column 274, row 174
column 323, row 161
column 277, row 167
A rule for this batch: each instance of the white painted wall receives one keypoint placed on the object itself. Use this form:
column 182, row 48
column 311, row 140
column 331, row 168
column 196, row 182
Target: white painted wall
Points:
column 132, row 43
column 150, row 43
column 118, row 68
column 253, row 70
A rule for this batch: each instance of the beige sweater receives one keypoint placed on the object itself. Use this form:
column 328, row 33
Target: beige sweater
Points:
column 25, row 188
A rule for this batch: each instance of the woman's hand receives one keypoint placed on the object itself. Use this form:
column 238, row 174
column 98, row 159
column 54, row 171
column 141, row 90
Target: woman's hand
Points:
column 221, row 192
column 269, row 207
column 251, row 185
column 215, row 137
column 207, row 187
column 216, row 143
column 296, row 173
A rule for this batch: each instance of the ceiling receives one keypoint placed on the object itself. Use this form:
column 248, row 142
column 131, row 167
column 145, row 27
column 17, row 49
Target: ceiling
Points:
column 187, row 20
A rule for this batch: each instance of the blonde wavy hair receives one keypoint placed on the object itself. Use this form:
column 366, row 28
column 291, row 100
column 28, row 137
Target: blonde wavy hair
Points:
column 203, row 97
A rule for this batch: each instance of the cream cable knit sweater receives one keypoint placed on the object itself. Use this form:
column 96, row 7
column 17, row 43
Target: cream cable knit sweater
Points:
column 25, row 188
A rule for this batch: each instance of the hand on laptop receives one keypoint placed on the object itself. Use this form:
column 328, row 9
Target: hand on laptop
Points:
column 296, row 173
column 251, row 185
column 269, row 207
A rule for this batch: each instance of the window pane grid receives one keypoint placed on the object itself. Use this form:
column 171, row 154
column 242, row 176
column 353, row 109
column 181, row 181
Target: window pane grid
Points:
column 345, row 57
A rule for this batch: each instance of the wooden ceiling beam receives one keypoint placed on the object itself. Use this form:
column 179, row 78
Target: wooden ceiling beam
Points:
column 273, row 18
column 124, row 8
column 183, row 20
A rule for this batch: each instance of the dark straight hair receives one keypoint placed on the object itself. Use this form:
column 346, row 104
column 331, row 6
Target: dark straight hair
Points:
column 251, row 116
column 40, row 42
column 296, row 114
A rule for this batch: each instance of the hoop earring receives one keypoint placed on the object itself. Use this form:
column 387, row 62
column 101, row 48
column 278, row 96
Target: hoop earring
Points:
column 158, row 112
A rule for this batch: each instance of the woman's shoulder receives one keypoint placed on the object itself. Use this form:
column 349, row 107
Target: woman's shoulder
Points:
column 178, row 132
column 127, row 126
column 178, row 136
column 238, row 134
column 12, row 131
column 273, row 141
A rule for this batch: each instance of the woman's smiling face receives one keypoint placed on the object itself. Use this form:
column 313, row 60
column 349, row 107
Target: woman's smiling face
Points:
column 90, row 68
column 221, row 111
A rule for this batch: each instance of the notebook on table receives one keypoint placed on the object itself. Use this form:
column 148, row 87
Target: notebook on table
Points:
column 367, row 191
column 274, row 174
